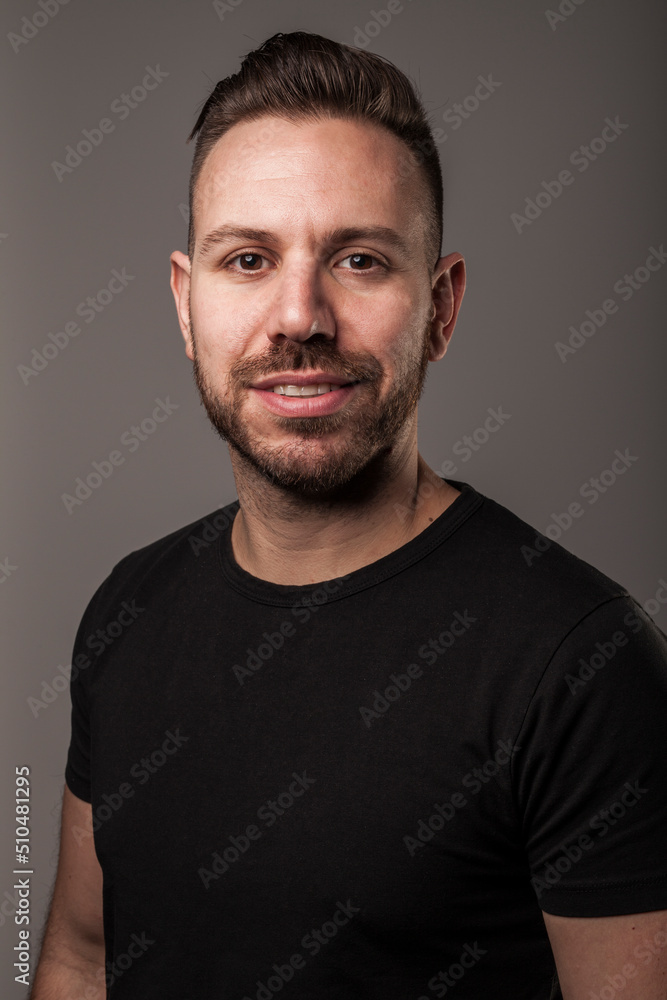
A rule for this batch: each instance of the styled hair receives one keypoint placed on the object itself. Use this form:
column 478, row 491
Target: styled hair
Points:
column 301, row 76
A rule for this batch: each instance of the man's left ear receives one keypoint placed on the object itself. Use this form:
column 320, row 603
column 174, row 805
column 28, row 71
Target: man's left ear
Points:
column 448, row 286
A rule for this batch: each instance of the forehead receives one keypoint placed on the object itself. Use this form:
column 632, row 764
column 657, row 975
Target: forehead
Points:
column 275, row 171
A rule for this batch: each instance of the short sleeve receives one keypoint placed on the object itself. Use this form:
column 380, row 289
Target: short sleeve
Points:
column 77, row 770
column 591, row 776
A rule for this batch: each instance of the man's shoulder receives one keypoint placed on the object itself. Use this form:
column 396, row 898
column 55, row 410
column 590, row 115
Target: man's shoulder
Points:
column 173, row 557
column 532, row 566
column 191, row 539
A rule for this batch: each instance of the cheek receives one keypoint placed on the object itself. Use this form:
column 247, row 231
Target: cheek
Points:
column 396, row 335
column 222, row 326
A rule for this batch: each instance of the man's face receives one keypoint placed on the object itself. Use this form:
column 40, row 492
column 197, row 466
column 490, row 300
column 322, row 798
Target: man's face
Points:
column 310, row 301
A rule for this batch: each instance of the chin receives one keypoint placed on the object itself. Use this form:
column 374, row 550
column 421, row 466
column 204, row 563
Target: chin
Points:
column 309, row 471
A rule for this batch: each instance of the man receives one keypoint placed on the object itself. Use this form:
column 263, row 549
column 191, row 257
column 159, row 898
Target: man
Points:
column 362, row 733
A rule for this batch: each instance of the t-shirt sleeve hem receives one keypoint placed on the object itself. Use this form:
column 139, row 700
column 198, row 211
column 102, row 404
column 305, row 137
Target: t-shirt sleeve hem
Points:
column 611, row 900
column 77, row 785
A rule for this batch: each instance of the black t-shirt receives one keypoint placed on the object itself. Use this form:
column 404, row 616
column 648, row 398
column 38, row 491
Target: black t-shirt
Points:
column 372, row 786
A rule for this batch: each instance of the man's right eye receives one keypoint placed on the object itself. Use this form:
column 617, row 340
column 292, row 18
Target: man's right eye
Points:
column 248, row 262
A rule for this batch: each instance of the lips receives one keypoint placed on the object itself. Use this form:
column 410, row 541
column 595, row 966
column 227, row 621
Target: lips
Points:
column 305, row 399
column 316, row 389
column 300, row 379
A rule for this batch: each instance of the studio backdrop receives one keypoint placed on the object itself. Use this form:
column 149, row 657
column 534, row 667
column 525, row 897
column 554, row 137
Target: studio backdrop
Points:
column 550, row 126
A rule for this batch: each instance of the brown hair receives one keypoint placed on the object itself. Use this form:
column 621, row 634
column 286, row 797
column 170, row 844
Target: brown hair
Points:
column 301, row 76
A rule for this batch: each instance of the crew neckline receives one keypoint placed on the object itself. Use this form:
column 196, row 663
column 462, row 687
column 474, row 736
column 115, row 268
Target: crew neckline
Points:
column 287, row 595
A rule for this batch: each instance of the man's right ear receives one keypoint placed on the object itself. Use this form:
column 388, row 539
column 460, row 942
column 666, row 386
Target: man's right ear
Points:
column 180, row 286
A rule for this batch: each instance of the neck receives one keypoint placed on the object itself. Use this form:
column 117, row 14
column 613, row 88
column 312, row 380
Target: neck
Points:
column 287, row 539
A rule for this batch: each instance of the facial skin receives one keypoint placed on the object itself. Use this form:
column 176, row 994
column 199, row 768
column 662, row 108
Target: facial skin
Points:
column 319, row 290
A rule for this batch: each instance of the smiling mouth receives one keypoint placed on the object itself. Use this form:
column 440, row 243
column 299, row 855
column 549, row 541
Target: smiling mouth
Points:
column 315, row 389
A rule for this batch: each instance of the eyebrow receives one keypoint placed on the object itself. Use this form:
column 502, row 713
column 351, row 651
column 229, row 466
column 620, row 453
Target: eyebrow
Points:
column 337, row 237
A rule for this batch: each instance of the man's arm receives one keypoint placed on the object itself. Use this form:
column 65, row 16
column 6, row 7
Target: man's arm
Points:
column 72, row 956
column 622, row 956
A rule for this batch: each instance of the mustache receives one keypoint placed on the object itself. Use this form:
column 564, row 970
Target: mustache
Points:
column 353, row 366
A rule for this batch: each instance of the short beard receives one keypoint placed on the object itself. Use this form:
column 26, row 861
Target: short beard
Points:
column 299, row 467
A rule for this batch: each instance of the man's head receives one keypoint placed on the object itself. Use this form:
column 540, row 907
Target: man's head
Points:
column 305, row 77
column 311, row 263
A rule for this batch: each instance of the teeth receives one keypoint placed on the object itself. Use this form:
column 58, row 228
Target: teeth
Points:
column 304, row 390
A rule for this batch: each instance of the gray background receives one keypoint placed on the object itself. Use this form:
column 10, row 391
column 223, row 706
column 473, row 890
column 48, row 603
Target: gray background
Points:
column 122, row 207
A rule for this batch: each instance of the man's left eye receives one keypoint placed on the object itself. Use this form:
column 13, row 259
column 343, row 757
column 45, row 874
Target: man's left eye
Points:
column 361, row 262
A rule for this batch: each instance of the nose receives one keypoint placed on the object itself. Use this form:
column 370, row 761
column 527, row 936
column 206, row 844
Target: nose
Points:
column 299, row 308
